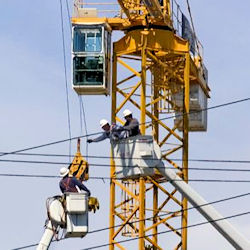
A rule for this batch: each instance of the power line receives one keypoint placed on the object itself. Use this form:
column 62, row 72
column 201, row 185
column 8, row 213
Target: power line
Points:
column 73, row 138
column 121, row 166
column 116, row 178
column 65, row 75
column 48, row 144
column 168, row 231
column 129, row 158
column 107, row 228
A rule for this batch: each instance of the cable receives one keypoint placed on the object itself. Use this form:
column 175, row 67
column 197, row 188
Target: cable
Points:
column 108, row 166
column 65, row 75
column 48, row 144
column 67, row 5
column 108, row 157
column 108, row 178
column 190, row 208
column 168, row 231
column 85, row 124
column 73, row 138
column 107, row 228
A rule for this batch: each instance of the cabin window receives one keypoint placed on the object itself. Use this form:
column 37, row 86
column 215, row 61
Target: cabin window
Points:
column 87, row 40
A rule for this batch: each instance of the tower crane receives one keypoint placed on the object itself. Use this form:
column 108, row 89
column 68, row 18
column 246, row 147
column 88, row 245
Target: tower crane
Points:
column 157, row 68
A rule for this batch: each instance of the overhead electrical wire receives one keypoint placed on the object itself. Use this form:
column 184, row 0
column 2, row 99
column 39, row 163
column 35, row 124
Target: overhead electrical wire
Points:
column 108, row 157
column 114, row 178
column 108, row 166
column 73, row 138
column 65, row 75
column 135, row 238
column 48, row 144
column 190, row 208
column 168, row 231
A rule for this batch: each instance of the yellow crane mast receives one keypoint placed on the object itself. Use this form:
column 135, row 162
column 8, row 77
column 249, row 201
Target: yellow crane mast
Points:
column 157, row 68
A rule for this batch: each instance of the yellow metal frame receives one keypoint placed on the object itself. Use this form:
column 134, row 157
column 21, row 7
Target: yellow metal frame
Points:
column 166, row 58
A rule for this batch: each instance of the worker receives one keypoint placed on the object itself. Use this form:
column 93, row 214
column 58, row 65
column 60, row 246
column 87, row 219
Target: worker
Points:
column 110, row 132
column 70, row 183
column 131, row 126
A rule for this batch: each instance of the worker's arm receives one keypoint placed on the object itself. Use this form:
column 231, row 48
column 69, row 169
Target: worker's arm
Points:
column 81, row 186
column 102, row 137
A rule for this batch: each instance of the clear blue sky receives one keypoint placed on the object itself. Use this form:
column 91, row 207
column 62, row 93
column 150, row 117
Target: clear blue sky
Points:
column 33, row 112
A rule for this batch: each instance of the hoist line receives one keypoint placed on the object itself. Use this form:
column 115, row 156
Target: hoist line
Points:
column 85, row 125
column 97, row 133
column 65, row 75
column 190, row 208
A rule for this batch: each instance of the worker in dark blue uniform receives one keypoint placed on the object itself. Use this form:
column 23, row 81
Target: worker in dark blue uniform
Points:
column 131, row 125
column 70, row 183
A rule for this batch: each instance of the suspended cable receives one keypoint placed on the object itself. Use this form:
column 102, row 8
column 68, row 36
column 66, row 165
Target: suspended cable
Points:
column 122, row 166
column 73, row 138
column 109, row 178
column 65, row 75
column 67, row 5
column 48, row 144
column 107, row 228
column 168, row 231
column 150, row 235
column 85, row 124
column 129, row 158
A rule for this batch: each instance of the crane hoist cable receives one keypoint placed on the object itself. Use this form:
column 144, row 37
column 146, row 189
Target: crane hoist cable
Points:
column 65, row 76
column 83, row 120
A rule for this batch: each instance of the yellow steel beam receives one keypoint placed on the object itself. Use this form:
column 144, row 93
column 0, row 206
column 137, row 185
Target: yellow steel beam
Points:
column 185, row 149
column 160, row 222
column 141, row 213
column 112, row 162
column 128, row 67
column 125, row 189
column 125, row 222
column 165, row 191
column 172, row 151
column 151, row 116
column 128, row 96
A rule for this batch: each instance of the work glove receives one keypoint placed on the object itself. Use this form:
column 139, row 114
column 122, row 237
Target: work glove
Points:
column 89, row 140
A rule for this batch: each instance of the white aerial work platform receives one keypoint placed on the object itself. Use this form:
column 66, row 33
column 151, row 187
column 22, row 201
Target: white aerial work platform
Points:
column 70, row 213
column 136, row 156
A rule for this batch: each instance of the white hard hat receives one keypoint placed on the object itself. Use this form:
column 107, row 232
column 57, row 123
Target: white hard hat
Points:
column 127, row 112
column 103, row 122
column 64, row 171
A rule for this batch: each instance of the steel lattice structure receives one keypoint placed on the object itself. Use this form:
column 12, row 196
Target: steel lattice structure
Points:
column 159, row 64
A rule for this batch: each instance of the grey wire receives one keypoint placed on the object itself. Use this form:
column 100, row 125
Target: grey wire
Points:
column 66, row 77
column 73, row 138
